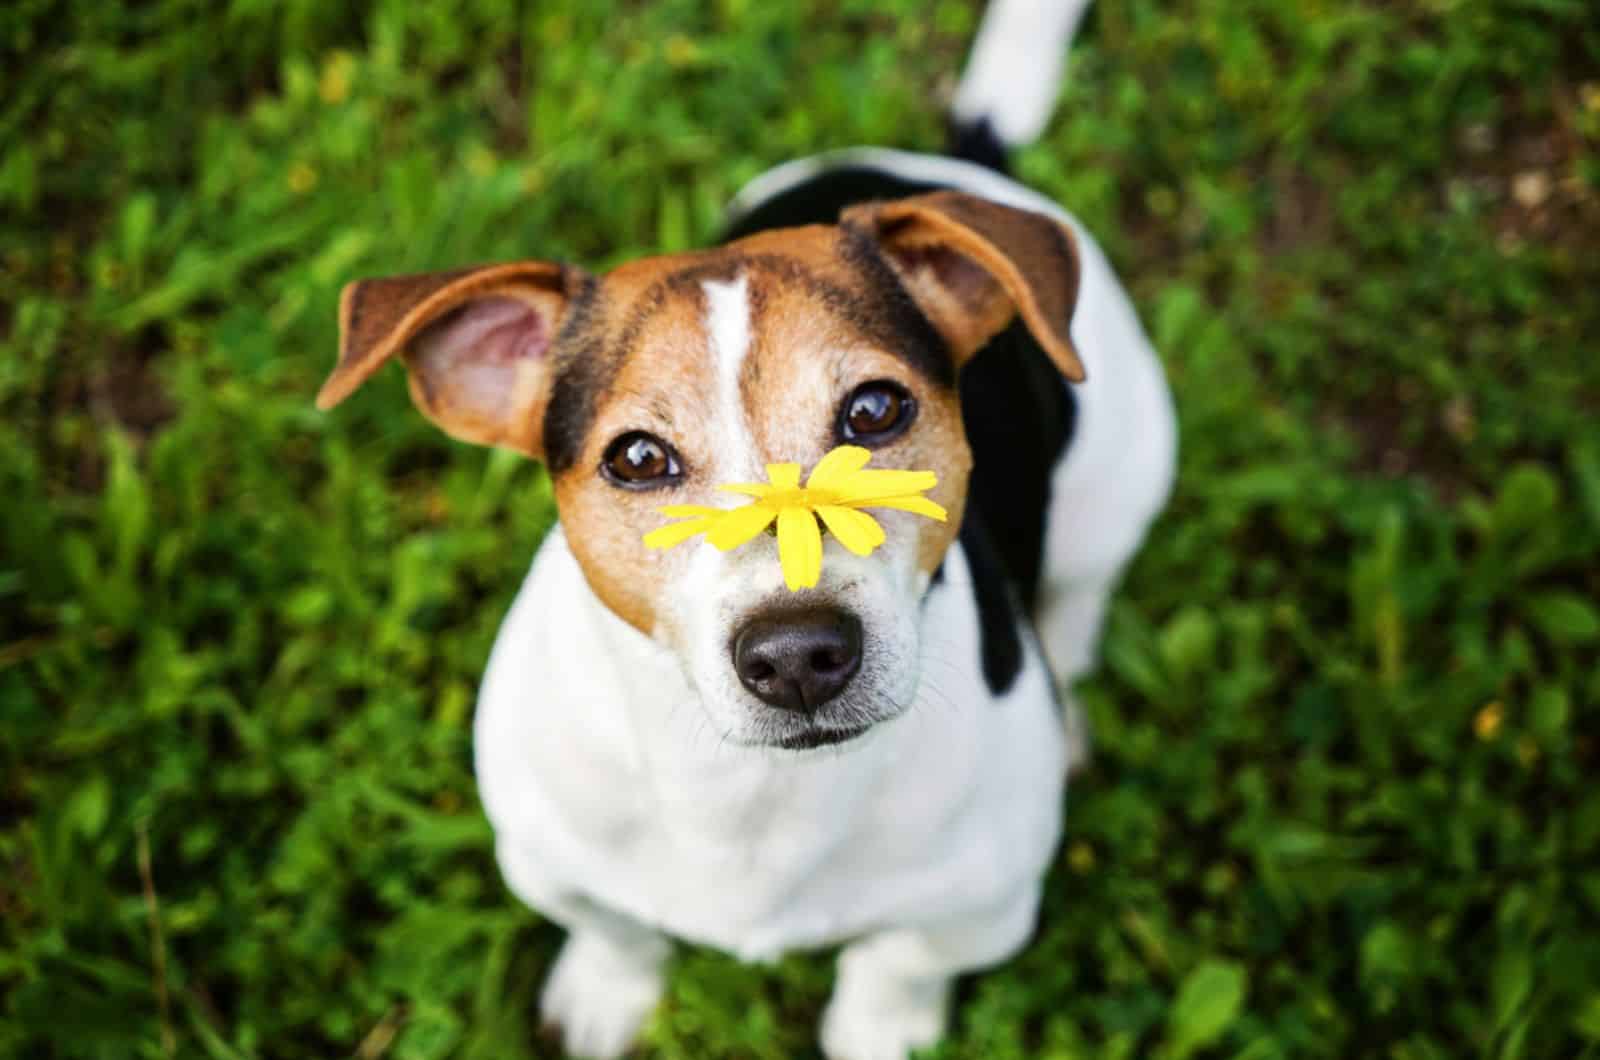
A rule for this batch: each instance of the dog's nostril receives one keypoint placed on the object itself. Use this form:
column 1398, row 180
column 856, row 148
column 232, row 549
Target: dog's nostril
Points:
column 826, row 660
column 798, row 660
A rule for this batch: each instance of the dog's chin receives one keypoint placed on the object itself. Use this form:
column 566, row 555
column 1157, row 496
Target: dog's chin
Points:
column 792, row 733
column 812, row 737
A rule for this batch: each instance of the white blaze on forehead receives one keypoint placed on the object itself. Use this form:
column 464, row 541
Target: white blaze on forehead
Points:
column 728, row 327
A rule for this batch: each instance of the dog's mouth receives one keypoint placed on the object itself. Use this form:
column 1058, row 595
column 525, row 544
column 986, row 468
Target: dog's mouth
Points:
column 813, row 737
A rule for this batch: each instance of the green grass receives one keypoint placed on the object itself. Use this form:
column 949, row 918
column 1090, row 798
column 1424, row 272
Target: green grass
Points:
column 1344, row 801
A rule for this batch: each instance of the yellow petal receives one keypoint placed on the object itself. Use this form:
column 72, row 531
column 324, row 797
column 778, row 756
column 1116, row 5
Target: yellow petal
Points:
column 908, row 503
column 884, row 483
column 840, row 463
column 856, row 531
column 734, row 528
column 799, row 548
column 784, row 476
column 687, row 511
column 676, row 533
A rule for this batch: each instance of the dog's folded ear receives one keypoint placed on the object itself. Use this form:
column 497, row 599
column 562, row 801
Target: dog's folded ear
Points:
column 972, row 265
column 476, row 344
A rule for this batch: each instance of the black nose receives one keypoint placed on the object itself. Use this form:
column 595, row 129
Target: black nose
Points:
column 800, row 659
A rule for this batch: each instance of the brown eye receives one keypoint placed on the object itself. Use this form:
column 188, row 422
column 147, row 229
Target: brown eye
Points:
column 876, row 412
column 637, row 460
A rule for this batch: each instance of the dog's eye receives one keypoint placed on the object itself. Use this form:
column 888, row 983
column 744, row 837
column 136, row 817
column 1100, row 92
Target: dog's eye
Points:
column 876, row 412
column 637, row 460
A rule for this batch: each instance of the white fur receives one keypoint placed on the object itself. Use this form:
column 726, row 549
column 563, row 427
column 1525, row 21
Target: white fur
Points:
column 1015, row 69
column 601, row 991
column 629, row 806
column 728, row 329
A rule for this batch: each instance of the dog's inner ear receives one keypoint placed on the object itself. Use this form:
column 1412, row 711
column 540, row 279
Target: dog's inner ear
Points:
column 973, row 265
column 480, row 371
column 476, row 345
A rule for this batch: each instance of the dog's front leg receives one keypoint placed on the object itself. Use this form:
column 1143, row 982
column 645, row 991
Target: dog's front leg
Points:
column 608, row 977
column 892, row 992
column 605, row 983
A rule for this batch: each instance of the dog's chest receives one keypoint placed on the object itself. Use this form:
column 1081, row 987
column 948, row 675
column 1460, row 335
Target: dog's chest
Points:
column 758, row 861
column 604, row 772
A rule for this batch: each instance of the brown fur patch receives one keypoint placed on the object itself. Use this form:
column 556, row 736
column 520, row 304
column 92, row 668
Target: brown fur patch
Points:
column 661, row 382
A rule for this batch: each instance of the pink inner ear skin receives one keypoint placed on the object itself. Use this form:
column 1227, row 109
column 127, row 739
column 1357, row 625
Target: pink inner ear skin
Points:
column 466, row 363
column 489, row 330
column 964, row 278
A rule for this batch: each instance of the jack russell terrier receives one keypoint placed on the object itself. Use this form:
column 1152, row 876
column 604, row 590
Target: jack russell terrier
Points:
column 672, row 744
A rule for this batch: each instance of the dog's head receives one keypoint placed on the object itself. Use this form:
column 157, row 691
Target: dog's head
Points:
column 671, row 375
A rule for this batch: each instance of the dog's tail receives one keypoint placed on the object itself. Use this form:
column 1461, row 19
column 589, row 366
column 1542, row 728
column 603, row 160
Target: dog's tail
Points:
column 1012, row 77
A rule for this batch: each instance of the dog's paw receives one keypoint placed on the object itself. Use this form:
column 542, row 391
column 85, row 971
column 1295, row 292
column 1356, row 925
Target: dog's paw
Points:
column 599, row 996
column 873, row 1018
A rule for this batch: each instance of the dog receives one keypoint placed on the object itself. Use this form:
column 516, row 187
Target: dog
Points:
column 672, row 744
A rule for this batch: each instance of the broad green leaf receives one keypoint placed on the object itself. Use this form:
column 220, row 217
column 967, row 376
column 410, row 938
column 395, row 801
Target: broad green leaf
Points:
column 1207, row 1003
column 1565, row 616
column 1527, row 496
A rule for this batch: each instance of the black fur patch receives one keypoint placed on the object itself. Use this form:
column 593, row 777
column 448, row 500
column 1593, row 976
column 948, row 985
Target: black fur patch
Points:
column 1019, row 416
column 977, row 142
column 582, row 371
column 819, row 200
column 998, row 619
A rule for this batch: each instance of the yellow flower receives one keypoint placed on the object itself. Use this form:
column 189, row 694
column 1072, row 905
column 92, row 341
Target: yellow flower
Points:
column 1488, row 720
column 840, row 485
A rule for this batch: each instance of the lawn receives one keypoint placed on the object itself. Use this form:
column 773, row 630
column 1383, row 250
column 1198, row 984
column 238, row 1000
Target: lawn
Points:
column 1344, row 800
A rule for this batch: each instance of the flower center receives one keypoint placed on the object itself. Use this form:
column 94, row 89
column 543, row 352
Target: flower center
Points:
column 802, row 497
